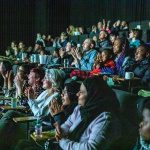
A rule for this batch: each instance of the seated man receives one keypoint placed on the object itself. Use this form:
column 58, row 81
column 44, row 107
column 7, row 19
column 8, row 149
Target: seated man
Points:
column 86, row 61
column 141, row 65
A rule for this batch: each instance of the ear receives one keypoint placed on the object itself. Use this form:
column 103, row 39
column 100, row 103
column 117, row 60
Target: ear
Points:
column 38, row 79
column 147, row 54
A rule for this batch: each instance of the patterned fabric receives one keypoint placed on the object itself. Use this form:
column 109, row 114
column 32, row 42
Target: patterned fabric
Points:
column 80, row 74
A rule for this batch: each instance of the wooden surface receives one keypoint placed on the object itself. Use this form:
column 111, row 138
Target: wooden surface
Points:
column 4, row 98
column 24, row 119
column 45, row 136
column 10, row 108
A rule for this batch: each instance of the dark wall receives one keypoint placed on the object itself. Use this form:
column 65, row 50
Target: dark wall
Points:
column 16, row 21
column 52, row 16
column 22, row 19
column 88, row 12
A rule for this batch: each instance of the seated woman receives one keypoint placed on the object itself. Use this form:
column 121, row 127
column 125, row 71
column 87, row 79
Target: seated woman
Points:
column 59, row 113
column 39, row 106
column 69, row 101
column 143, row 142
column 94, row 123
column 141, row 65
column 120, row 49
column 35, row 78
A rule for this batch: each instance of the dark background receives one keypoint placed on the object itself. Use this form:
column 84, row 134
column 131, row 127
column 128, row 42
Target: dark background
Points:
column 22, row 19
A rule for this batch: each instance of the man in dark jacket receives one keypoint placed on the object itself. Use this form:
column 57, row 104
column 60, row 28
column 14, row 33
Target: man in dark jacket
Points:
column 141, row 65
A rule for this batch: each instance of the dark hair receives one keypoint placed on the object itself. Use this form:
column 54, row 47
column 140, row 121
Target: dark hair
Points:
column 39, row 72
column 72, row 89
column 7, row 65
column 73, row 44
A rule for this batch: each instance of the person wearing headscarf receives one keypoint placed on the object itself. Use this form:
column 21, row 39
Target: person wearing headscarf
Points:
column 94, row 123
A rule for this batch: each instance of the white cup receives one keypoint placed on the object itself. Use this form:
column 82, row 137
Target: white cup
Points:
column 129, row 75
column 24, row 55
column 43, row 59
column 36, row 58
column 78, row 45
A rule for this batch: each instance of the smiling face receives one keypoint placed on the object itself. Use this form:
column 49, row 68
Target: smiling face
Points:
column 68, row 47
column 82, row 95
column 65, row 98
column 47, row 84
column 86, row 45
column 105, row 56
column 117, row 46
column 140, row 53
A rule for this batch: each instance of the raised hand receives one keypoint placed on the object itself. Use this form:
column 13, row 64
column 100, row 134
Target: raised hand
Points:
column 55, row 107
column 31, row 93
column 58, row 134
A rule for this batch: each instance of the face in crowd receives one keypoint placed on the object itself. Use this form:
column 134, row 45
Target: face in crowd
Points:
column 86, row 45
column 117, row 47
column 141, row 53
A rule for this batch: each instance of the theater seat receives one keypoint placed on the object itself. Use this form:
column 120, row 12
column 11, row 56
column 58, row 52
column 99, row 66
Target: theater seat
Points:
column 129, row 120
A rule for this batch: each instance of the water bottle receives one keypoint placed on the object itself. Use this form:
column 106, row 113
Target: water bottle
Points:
column 13, row 102
column 66, row 63
column 38, row 128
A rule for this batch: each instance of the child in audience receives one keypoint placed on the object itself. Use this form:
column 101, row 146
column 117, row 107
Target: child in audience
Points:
column 104, row 63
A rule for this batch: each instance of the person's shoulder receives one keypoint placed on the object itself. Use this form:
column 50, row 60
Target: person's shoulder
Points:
column 104, row 117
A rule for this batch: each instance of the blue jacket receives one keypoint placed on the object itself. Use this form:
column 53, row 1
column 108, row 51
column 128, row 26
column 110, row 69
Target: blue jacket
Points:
column 87, row 60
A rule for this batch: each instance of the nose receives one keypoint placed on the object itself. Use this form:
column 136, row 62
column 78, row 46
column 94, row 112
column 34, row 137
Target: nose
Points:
column 78, row 94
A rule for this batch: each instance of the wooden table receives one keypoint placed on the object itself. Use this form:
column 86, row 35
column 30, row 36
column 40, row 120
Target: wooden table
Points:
column 45, row 136
column 26, row 119
column 3, row 98
column 11, row 108
column 129, row 81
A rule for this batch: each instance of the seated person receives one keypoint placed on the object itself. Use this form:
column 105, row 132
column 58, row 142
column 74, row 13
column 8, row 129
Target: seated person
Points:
column 69, row 102
column 143, row 142
column 35, row 78
column 59, row 112
column 93, row 124
column 134, row 38
column 104, row 43
column 120, row 49
column 54, row 58
column 39, row 106
column 86, row 61
column 61, row 42
column 141, row 65
column 104, row 64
